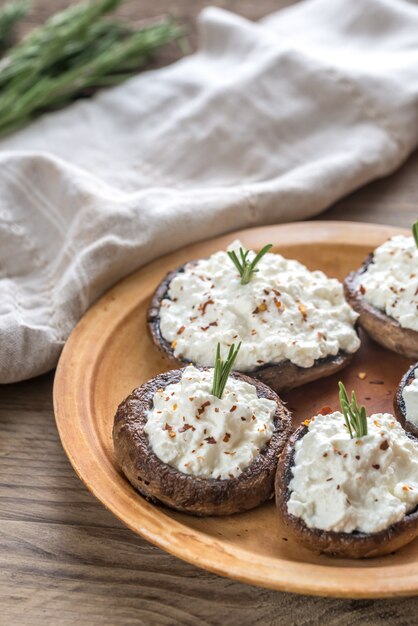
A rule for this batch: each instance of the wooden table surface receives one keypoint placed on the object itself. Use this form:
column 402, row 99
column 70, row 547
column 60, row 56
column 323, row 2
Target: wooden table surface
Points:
column 66, row 560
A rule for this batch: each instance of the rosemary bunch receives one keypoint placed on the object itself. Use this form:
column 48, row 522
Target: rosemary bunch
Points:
column 223, row 369
column 245, row 267
column 415, row 232
column 75, row 51
column 10, row 14
column 355, row 416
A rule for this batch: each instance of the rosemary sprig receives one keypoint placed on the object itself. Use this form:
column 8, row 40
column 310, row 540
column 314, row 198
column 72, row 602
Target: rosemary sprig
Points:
column 245, row 267
column 415, row 232
column 223, row 369
column 74, row 52
column 10, row 14
column 355, row 416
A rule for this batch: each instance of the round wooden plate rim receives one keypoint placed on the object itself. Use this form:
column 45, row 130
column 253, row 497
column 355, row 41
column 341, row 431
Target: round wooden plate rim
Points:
column 74, row 400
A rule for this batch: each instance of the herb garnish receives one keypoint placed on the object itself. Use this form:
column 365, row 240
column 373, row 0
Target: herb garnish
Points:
column 246, row 268
column 415, row 232
column 223, row 369
column 76, row 51
column 354, row 415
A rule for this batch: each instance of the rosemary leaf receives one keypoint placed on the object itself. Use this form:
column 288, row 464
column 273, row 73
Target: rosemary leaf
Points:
column 74, row 52
column 246, row 268
column 223, row 369
column 355, row 416
column 10, row 14
column 415, row 232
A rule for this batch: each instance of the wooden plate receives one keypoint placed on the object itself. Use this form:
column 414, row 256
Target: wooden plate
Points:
column 109, row 353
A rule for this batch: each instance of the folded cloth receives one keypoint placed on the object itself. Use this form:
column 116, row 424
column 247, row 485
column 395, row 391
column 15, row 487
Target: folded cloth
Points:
column 267, row 122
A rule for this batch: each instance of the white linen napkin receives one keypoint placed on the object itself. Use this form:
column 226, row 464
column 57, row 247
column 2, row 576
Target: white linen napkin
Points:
column 267, row 122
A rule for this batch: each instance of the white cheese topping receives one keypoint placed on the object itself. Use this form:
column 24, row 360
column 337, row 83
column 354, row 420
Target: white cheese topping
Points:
column 284, row 312
column 202, row 435
column 410, row 397
column 342, row 484
column 390, row 283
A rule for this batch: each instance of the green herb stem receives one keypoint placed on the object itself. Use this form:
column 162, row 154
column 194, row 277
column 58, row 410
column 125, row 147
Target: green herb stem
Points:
column 245, row 267
column 74, row 52
column 223, row 369
column 415, row 232
column 10, row 15
column 355, row 416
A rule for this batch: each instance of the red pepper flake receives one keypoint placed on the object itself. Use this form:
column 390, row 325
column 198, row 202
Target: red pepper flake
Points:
column 376, row 466
column 253, row 417
column 181, row 330
column 168, row 427
column 201, row 409
column 362, row 289
column 384, row 445
column 260, row 308
column 227, row 437
column 266, row 291
column 233, row 408
column 210, row 439
column 186, row 427
column 325, row 410
column 253, row 332
column 204, row 328
column 213, row 324
column 202, row 307
column 303, row 311
column 216, row 410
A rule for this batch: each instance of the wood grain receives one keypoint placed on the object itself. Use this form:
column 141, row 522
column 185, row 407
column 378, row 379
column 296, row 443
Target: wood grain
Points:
column 65, row 560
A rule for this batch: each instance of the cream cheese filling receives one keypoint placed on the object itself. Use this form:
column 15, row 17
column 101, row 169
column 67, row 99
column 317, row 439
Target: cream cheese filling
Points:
column 390, row 283
column 202, row 435
column 345, row 485
column 285, row 312
column 410, row 398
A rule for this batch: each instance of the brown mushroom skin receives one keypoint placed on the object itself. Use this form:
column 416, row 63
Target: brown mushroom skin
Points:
column 355, row 545
column 399, row 404
column 281, row 377
column 186, row 493
column 383, row 329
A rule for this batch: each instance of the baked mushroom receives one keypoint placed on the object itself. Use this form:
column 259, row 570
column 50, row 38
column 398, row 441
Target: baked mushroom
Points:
column 384, row 292
column 181, row 445
column 406, row 400
column 295, row 325
column 350, row 496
